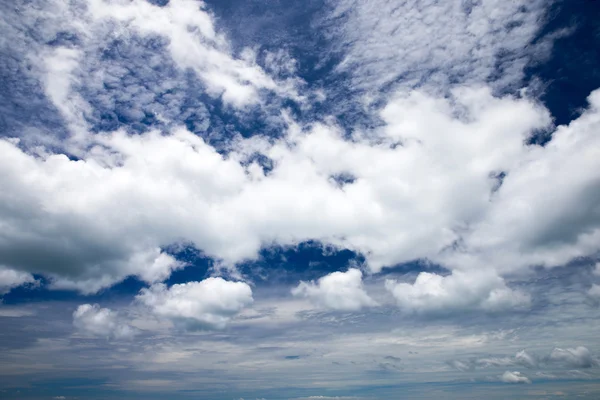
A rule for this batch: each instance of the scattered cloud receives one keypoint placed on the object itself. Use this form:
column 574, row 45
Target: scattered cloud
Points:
column 578, row 357
column 514, row 377
column 174, row 188
column 208, row 304
column 342, row 291
column 10, row 279
column 90, row 319
column 434, row 44
column 137, row 128
column 458, row 291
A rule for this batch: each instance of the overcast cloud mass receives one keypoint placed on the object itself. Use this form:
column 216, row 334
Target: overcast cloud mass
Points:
column 329, row 199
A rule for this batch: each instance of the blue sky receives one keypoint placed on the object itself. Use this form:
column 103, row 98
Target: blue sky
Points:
column 329, row 199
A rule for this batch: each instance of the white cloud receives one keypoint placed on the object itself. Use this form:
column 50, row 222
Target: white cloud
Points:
column 10, row 279
column 481, row 289
column 514, row 377
column 578, row 357
column 434, row 44
column 337, row 290
column 92, row 320
column 210, row 303
column 131, row 195
column 193, row 43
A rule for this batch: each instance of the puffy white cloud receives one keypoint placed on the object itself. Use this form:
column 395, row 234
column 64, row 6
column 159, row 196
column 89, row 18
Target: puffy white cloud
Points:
column 578, row 357
column 10, row 279
column 92, row 320
column 546, row 210
column 210, row 303
column 90, row 222
column 481, row 289
column 514, row 377
column 337, row 290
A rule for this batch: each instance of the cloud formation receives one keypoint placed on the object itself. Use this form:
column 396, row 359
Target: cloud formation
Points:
column 208, row 304
column 514, row 377
column 342, row 291
column 459, row 291
column 10, row 279
column 92, row 320
column 435, row 44
column 415, row 200
column 578, row 357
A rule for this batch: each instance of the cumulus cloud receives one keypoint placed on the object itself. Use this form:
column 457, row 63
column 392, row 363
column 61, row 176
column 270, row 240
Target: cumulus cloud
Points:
column 409, row 201
column 578, row 357
column 445, row 178
column 461, row 290
column 514, row 377
column 92, row 320
column 10, row 279
column 208, row 304
column 515, row 233
column 338, row 291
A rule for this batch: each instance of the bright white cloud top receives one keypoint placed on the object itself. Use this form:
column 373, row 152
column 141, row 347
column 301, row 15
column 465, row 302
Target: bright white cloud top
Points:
column 106, row 216
column 207, row 304
column 338, row 291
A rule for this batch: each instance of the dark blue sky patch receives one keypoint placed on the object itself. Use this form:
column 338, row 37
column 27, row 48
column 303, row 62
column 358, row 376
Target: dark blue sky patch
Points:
column 198, row 266
column 35, row 294
column 160, row 3
column 412, row 268
column 263, row 161
column 571, row 70
column 64, row 39
column 286, row 265
column 343, row 179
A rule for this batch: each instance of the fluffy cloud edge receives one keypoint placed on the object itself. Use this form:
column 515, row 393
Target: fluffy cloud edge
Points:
column 341, row 291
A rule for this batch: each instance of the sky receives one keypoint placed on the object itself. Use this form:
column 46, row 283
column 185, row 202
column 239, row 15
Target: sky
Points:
column 327, row 199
